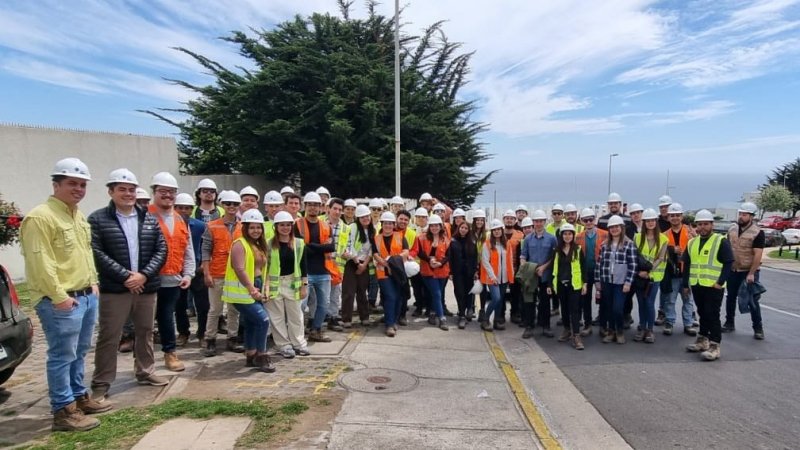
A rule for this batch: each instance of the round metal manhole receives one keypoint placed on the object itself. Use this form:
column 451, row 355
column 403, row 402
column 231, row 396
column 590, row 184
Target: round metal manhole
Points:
column 378, row 381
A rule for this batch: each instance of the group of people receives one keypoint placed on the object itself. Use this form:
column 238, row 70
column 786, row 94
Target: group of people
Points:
column 307, row 264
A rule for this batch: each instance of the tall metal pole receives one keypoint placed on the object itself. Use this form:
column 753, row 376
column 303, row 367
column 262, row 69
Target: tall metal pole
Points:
column 609, row 170
column 397, row 97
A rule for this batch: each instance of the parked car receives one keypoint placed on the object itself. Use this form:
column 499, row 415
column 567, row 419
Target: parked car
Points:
column 771, row 222
column 773, row 238
column 16, row 329
column 792, row 236
column 791, row 222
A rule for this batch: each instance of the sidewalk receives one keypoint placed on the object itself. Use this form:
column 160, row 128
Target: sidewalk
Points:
column 792, row 265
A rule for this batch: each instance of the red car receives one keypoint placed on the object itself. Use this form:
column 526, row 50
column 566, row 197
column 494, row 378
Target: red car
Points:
column 791, row 222
column 773, row 222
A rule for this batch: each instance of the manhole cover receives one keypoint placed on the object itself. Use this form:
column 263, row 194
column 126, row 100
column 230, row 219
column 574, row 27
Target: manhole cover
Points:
column 378, row 381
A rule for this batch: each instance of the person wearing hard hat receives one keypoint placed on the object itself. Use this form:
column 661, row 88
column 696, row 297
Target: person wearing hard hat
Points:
column 459, row 217
column 590, row 240
column 464, row 269
column 250, row 198
column 206, row 197
column 422, row 299
column 356, row 270
column 426, row 201
column 292, row 204
column 410, row 235
column 285, row 191
column 615, row 209
column 635, row 211
column 434, row 254
column 273, row 203
column 571, row 217
column 386, row 245
column 614, row 274
column 497, row 271
column 322, row 270
column 376, row 209
column 55, row 240
column 652, row 246
column 216, row 248
column 479, row 233
column 521, row 212
column 539, row 248
column 708, row 259
column 325, row 196
column 678, row 238
column 349, row 211
column 557, row 213
column 527, row 227
column 569, row 283
column 421, row 220
column 198, row 302
column 514, row 237
column 340, row 232
column 663, row 215
column 396, row 204
column 244, row 288
column 177, row 272
column 142, row 197
column 440, row 210
column 748, row 242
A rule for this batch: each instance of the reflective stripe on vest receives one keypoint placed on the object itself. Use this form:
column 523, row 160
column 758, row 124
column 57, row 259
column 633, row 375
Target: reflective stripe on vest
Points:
column 233, row 291
column 705, row 267
column 275, row 270
column 650, row 254
column 575, row 267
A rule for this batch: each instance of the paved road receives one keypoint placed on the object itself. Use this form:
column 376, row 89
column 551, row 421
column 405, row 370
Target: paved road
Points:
column 659, row 396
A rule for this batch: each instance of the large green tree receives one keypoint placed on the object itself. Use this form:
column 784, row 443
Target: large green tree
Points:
column 318, row 109
column 788, row 175
column 775, row 197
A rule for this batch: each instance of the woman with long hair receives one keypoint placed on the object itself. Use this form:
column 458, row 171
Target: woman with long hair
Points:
column 357, row 268
column 652, row 246
column 614, row 277
column 568, row 282
column 479, row 234
column 497, row 271
column 463, row 268
column 386, row 245
column 434, row 255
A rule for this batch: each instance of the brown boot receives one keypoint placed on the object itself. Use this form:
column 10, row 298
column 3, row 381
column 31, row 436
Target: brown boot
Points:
column 317, row 336
column 610, row 337
column 700, row 345
column 182, row 340
column 264, row 363
column 89, row 406
column 565, row 335
column 70, row 418
column 126, row 345
column 173, row 363
column 713, row 353
column 577, row 342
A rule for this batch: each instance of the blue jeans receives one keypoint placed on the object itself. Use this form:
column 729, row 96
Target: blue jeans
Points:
column 69, row 337
column 647, row 305
column 615, row 301
column 497, row 293
column 256, row 325
column 731, row 302
column 391, row 301
column 435, row 287
column 166, row 299
column 320, row 287
column 668, row 300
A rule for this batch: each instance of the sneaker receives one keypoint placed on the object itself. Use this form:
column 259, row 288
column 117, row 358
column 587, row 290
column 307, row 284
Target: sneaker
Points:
column 499, row 326
column 211, row 348
column 609, row 337
column 758, row 335
column 649, row 338
column 347, row 325
column 470, row 315
column 153, row 380
column 402, row 321
column 88, row 405
column 287, row 353
column 729, row 327
column 302, row 351
column 586, row 331
column 365, row 324
column 528, row 333
column 577, row 342
column 620, row 338
column 333, row 325
column 565, row 336
column 182, row 340
column 700, row 345
column 691, row 331
column 234, row 345
column 661, row 318
column 317, row 336
column 443, row 324
column 486, row 326
column 547, row 332
column 713, row 353
column 172, row 362
column 462, row 323
column 667, row 328
column 70, row 418
column 639, row 336
column 390, row 331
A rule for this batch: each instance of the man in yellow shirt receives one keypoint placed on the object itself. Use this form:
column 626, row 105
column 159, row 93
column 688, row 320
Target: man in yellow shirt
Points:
column 59, row 265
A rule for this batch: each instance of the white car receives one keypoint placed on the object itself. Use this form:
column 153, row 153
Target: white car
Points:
column 792, row 236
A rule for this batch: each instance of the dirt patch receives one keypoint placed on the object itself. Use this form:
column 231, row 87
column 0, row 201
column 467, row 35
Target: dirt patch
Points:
column 312, row 430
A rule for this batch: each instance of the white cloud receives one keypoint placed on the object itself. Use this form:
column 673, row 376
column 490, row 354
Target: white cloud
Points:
column 706, row 111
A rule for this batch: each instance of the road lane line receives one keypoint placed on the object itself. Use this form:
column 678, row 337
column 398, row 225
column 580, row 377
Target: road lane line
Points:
column 780, row 311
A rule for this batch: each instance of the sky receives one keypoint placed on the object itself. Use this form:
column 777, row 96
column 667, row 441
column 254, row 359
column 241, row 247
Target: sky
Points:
column 708, row 90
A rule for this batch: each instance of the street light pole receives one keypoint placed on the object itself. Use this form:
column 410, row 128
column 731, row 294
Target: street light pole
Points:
column 609, row 170
column 397, row 97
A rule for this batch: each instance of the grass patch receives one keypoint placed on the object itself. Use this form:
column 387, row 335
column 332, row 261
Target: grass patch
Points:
column 787, row 255
column 123, row 428
column 24, row 297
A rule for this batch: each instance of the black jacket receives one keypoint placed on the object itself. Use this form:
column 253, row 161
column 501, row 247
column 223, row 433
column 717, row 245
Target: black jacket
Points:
column 463, row 258
column 110, row 248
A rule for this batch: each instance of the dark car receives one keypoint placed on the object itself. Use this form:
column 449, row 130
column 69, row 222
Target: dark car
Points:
column 773, row 238
column 16, row 329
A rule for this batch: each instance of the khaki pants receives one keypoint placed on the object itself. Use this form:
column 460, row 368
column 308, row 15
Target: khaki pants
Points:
column 286, row 317
column 114, row 311
column 215, row 311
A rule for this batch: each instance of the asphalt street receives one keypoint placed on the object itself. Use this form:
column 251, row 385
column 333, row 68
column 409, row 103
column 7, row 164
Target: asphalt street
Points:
column 659, row 396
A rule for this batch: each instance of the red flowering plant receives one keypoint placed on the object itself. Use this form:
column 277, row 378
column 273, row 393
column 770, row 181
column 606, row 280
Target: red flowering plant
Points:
column 10, row 221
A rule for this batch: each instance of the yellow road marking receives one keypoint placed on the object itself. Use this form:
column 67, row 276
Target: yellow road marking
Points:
column 532, row 413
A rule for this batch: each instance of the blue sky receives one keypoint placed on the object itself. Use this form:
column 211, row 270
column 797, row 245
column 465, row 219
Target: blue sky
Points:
column 692, row 87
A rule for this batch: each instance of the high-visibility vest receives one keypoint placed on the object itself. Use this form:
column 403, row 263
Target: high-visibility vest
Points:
column 705, row 268
column 197, row 214
column 494, row 260
column 357, row 245
column 324, row 235
column 269, row 230
column 575, row 266
column 650, row 254
column 274, row 269
column 425, row 267
column 683, row 240
column 395, row 248
column 221, row 249
column 177, row 241
column 233, row 291
column 341, row 245
column 554, row 228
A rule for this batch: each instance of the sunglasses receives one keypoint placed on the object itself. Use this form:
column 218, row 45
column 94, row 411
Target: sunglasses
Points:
column 230, row 204
column 587, row 220
column 208, row 191
column 166, row 191
column 556, row 213
column 376, row 209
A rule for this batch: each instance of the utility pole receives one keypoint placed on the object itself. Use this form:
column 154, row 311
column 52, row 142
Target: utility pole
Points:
column 397, row 98
column 609, row 170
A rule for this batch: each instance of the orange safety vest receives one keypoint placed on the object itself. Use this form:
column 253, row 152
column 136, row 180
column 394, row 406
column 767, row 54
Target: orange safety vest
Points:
column 683, row 240
column 494, row 260
column 324, row 235
column 600, row 237
column 176, row 242
column 222, row 245
column 425, row 267
column 396, row 248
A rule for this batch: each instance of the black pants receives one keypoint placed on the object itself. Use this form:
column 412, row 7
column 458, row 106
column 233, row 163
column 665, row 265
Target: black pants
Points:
column 629, row 302
column 421, row 298
column 709, row 304
column 586, row 300
column 570, row 301
column 201, row 305
column 354, row 287
column 462, row 285
column 181, row 316
column 516, row 299
column 543, row 305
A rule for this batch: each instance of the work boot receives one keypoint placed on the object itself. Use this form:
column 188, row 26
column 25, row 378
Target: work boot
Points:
column 250, row 360
column 432, row 319
column 173, row 363
column 649, row 338
column 667, row 329
column 182, row 340
column 499, row 325
column 661, row 318
column 639, row 336
column 234, row 345
column 486, row 326
column 470, row 314
column 713, row 353
column 391, row 332
column 347, row 325
column 89, row 406
column 333, row 325
column 443, row 324
column 402, row 321
column 729, row 326
column 264, row 364
column 211, row 348
column 528, row 333
column 481, row 316
column 620, row 337
column 577, row 342
column 700, row 345
column 317, row 336
column 691, row 331
column 565, row 335
column 758, row 334
column 462, row 322
column 610, row 337
column 70, row 418
column 586, row 331
column 152, row 380
column 126, row 345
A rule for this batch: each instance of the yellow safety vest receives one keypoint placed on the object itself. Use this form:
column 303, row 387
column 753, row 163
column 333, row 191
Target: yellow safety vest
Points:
column 274, row 270
column 269, row 230
column 705, row 268
column 233, row 291
column 657, row 274
column 341, row 245
column 575, row 266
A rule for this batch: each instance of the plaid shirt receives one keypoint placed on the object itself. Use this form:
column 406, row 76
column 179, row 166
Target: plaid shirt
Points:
column 627, row 255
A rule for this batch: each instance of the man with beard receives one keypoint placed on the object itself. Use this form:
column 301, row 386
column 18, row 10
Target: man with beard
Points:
column 748, row 242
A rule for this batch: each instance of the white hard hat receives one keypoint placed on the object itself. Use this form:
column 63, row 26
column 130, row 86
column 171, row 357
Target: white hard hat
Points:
column 567, row 227
column 273, row 198
column 350, row 203
column 527, row 222
column 412, row 268
column 649, row 214
column 425, row 197
column 748, row 207
column 362, row 210
column 397, row 200
column 287, row 190
column 322, row 190
column 635, row 207
column 479, row 214
column 539, row 215
column 615, row 220
column 509, row 213
column 557, row 207
column 458, row 212
column 283, row 217
column 312, row 197
column 588, row 212
column 570, row 208
column 164, row 179
column 375, row 203
column 439, row 207
column 142, row 194
column 249, row 190
column 704, row 215
column 253, row 216
column 664, row 200
column 614, row 197
column 521, row 207
column 72, row 167
column 435, row 220
column 495, row 224
column 122, row 176
column 388, row 217
column 206, row 183
column 421, row 212
column 184, row 199
column 675, row 208
column 229, row 196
